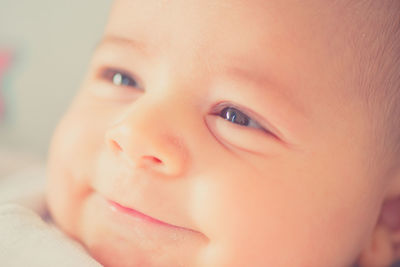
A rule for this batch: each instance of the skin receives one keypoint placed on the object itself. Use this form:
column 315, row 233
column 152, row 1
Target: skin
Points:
column 294, row 189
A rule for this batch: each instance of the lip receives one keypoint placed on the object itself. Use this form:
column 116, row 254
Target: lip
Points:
column 110, row 229
column 116, row 207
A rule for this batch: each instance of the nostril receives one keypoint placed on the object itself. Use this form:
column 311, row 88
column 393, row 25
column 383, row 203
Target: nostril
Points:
column 115, row 146
column 152, row 159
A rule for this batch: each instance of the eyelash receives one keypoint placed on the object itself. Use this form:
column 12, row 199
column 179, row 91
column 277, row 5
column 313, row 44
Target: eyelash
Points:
column 227, row 112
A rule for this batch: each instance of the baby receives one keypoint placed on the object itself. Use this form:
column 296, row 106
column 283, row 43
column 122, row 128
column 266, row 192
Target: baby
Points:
column 236, row 133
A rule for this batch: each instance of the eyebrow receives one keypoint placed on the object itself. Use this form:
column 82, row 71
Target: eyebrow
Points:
column 122, row 41
column 230, row 69
column 257, row 78
column 260, row 79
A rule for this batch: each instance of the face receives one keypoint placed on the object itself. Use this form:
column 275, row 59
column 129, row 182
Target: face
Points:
column 218, row 133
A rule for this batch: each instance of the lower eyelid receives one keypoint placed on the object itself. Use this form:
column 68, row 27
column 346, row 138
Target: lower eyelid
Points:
column 255, row 124
column 106, row 91
column 248, row 139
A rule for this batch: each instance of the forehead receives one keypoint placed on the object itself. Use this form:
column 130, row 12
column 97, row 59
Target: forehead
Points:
column 267, row 31
column 220, row 18
column 298, row 44
column 227, row 23
column 192, row 25
column 282, row 36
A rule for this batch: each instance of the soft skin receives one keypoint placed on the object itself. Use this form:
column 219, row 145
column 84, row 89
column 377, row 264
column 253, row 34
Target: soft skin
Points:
column 148, row 131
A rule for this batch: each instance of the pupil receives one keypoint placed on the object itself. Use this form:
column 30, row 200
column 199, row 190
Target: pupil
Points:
column 126, row 81
column 235, row 116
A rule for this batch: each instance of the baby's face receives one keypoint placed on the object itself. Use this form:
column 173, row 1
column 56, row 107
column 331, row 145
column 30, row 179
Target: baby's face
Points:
column 234, row 126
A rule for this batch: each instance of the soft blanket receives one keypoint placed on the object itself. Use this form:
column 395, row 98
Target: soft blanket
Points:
column 27, row 235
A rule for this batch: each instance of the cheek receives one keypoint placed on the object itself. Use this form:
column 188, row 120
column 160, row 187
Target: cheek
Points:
column 270, row 218
column 71, row 158
column 246, row 217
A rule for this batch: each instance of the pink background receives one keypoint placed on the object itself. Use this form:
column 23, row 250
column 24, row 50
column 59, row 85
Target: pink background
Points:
column 5, row 59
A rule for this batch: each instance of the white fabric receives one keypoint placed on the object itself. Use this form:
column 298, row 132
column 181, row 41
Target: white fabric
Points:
column 26, row 239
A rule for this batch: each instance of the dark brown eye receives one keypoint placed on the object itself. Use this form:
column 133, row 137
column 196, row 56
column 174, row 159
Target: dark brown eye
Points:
column 235, row 116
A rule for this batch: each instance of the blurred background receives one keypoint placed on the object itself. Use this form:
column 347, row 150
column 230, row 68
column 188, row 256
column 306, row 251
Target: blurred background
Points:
column 45, row 47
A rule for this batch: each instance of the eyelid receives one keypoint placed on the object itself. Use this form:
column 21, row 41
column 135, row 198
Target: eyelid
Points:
column 232, row 136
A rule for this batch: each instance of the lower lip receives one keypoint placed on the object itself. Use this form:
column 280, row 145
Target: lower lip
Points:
column 134, row 228
column 112, row 229
column 115, row 207
column 132, row 225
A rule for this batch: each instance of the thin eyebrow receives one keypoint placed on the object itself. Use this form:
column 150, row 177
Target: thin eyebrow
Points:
column 122, row 41
column 258, row 79
column 262, row 81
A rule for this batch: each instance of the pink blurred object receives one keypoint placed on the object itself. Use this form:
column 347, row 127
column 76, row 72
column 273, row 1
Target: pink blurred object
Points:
column 5, row 60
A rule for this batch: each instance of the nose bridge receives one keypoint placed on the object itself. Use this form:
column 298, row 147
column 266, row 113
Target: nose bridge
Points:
column 147, row 135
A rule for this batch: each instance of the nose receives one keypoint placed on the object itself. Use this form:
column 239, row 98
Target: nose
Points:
column 145, row 136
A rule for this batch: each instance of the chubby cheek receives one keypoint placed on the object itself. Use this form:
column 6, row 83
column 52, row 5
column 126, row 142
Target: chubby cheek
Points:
column 71, row 160
column 269, row 220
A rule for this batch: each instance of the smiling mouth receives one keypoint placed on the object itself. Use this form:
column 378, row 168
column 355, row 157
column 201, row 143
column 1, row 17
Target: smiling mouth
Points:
column 116, row 207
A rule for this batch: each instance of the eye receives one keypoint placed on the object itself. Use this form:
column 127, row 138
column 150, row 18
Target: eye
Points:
column 119, row 78
column 236, row 116
column 237, row 127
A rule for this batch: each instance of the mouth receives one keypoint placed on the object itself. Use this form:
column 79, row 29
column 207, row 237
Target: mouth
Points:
column 111, row 229
column 116, row 207
column 120, row 209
